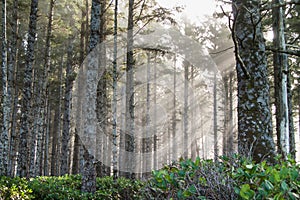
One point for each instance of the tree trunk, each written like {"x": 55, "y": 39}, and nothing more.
{"x": 185, "y": 110}
{"x": 280, "y": 63}
{"x": 89, "y": 128}
{"x": 216, "y": 149}
{"x": 254, "y": 115}
{"x": 226, "y": 113}
{"x": 114, "y": 103}
{"x": 4, "y": 141}
{"x": 66, "y": 116}
{"x": 155, "y": 114}
{"x": 12, "y": 65}
{"x": 174, "y": 124}
{"x": 25, "y": 129}
{"x": 129, "y": 111}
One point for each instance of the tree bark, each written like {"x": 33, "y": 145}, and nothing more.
{"x": 25, "y": 129}
{"x": 129, "y": 111}
{"x": 89, "y": 128}
{"x": 114, "y": 103}
{"x": 254, "y": 115}
{"x": 67, "y": 106}
{"x": 4, "y": 140}
{"x": 280, "y": 63}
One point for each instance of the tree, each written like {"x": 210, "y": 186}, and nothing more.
{"x": 25, "y": 129}
{"x": 129, "y": 110}
{"x": 280, "y": 62}
{"x": 4, "y": 142}
{"x": 89, "y": 171}
{"x": 114, "y": 106}
{"x": 254, "y": 115}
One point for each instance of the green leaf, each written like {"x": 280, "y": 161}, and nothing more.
{"x": 284, "y": 186}
{"x": 246, "y": 192}
{"x": 268, "y": 185}
{"x": 250, "y": 166}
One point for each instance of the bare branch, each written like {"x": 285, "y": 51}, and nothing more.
{"x": 290, "y": 52}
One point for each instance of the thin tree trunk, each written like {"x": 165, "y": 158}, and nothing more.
{"x": 230, "y": 137}
{"x": 55, "y": 139}
{"x": 185, "y": 110}
{"x": 147, "y": 158}
{"x": 216, "y": 149}
{"x": 12, "y": 65}
{"x": 174, "y": 124}
{"x": 280, "y": 72}
{"x": 4, "y": 140}
{"x": 155, "y": 114}
{"x": 114, "y": 103}
{"x": 226, "y": 113}
{"x": 67, "y": 106}
{"x": 129, "y": 111}
{"x": 27, "y": 94}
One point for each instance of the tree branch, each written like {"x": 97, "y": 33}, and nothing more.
{"x": 290, "y": 52}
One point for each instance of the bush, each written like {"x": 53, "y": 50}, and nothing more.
{"x": 202, "y": 179}
{"x": 263, "y": 181}
{"x": 232, "y": 178}
{"x": 14, "y": 189}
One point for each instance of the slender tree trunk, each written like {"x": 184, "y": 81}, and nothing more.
{"x": 185, "y": 110}
{"x": 254, "y": 114}
{"x": 4, "y": 140}
{"x": 12, "y": 65}
{"x": 114, "y": 103}
{"x": 147, "y": 158}
{"x": 226, "y": 113}
{"x": 155, "y": 114}
{"x": 174, "y": 124}
{"x": 55, "y": 139}
{"x": 27, "y": 94}
{"x": 280, "y": 62}
{"x": 216, "y": 149}
{"x": 66, "y": 116}
{"x": 129, "y": 111}
{"x": 230, "y": 137}
{"x": 292, "y": 141}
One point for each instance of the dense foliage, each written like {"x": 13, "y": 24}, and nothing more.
{"x": 232, "y": 178}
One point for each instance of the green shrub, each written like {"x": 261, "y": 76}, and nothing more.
{"x": 233, "y": 177}
{"x": 202, "y": 179}
{"x": 264, "y": 181}
{"x": 14, "y": 189}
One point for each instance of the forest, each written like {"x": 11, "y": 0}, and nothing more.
{"x": 110, "y": 99}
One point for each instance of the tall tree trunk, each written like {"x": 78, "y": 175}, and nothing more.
{"x": 230, "y": 137}
{"x": 129, "y": 111}
{"x": 27, "y": 93}
{"x": 216, "y": 149}
{"x": 280, "y": 63}
{"x": 114, "y": 103}
{"x": 155, "y": 114}
{"x": 12, "y": 65}
{"x": 4, "y": 140}
{"x": 67, "y": 106}
{"x": 89, "y": 128}
{"x": 42, "y": 95}
{"x": 292, "y": 140}
{"x": 185, "y": 110}
{"x": 254, "y": 114}
{"x": 55, "y": 138}
{"x": 148, "y": 140}
{"x": 174, "y": 124}
{"x": 226, "y": 113}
